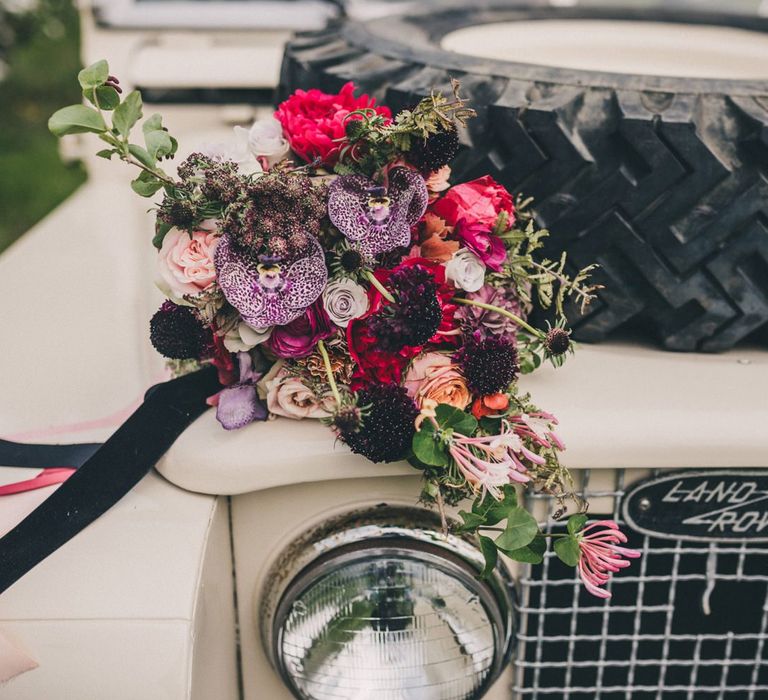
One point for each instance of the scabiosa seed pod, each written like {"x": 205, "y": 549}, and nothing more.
{"x": 347, "y": 420}
{"x": 178, "y": 212}
{"x": 387, "y": 427}
{"x": 177, "y": 333}
{"x": 435, "y": 151}
{"x": 353, "y": 128}
{"x": 351, "y": 260}
{"x": 415, "y": 317}
{"x": 489, "y": 364}
{"x": 557, "y": 341}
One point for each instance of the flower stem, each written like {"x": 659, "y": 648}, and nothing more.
{"x": 490, "y": 307}
{"x": 382, "y": 289}
{"x": 329, "y": 372}
{"x": 441, "y": 510}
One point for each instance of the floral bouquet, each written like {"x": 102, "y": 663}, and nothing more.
{"x": 326, "y": 267}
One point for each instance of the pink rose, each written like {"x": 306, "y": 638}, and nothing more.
{"x": 433, "y": 378}
{"x": 289, "y": 397}
{"x": 477, "y": 202}
{"x": 298, "y": 338}
{"x": 185, "y": 262}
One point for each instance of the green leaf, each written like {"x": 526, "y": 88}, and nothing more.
{"x": 107, "y": 97}
{"x": 141, "y": 155}
{"x": 94, "y": 75}
{"x": 106, "y": 153}
{"x": 490, "y": 554}
{"x": 520, "y": 530}
{"x": 153, "y": 123}
{"x": 576, "y": 523}
{"x": 567, "y": 550}
{"x": 158, "y": 143}
{"x": 452, "y": 417}
{"x": 76, "y": 119}
{"x": 429, "y": 450}
{"x": 532, "y": 553}
{"x": 161, "y": 228}
{"x": 471, "y": 521}
{"x": 146, "y": 184}
{"x": 492, "y": 426}
{"x": 127, "y": 113}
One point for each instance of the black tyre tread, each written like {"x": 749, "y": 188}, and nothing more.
{"x": 666, "y": 190}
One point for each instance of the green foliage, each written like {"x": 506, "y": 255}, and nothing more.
{"x": 520, "y": 530}
{"x": 76, "y": 119}
{"x": 94, "y": 75}
{"x": 127, "y": 113}
{"x": 490, "y": 554}
{"x": 567, "y": 550}
{"x": 532, "y": 553}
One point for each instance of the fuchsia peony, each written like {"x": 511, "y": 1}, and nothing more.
{"x": 477, "y": 202}
{"x": 185, "y": 262}
{"x": 314, "y": 121}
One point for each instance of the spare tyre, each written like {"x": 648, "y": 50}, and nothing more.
{"x": 661, "y": 178}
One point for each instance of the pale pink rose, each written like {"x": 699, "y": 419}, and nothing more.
{"x": 438, "y": 181}
{"x": 288, "y": 396}
{"x": 433, "y": 378}
{"x": 185, "y": 262}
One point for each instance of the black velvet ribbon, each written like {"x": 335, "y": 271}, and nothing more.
{"x": 108, "y": 472}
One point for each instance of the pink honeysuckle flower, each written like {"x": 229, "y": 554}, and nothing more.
{"x": 538, "y": 427}
{"x": 491, "y": 461}
{"x": 602, "y": 555}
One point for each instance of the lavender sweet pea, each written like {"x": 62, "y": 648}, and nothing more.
{"x": 239, "y": 404}
{"x": 269, "y": 292}
{"x": 378, "y": 219}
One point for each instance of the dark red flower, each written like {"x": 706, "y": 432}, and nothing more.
{"x": 477, "y": 202}
{"x": 299, "y": 337}
{"x": 314, "y": 122}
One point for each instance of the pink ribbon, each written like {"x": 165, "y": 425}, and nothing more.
{"x": 47, "y": 477}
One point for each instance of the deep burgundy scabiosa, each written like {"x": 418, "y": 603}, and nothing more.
{"x": 177, "y": 333}
{"x": 489, "y": 364}
{"x": 378, "y": 218}
{"x": 387, "y": 427}
{"x": 270, "y": 291}
{"x": 435, "y": 151}
{"x": 416, "y": 315}
{"x": 557, "y": 341}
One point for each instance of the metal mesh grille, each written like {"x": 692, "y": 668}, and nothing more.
{"x": 688, "y": 620}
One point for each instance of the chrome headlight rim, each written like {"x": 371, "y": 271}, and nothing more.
{"x": 372, "y": 533}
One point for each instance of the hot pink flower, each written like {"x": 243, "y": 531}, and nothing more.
{"x": 601, "y": 555}
{"x": 482, "y": 242}
{"x": 298, "y": 338}
{"x": 314, "y": 122}
{"x": 478, "y": 202}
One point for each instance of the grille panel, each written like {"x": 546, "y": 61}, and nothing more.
{"x": 688, "y": 620}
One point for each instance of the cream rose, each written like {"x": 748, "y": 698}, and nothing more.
{"x": 242, "y": 337}
{"x": 288, "y": 396}
{"x": 265, "y": 140}
{"x": 344, "y": 300}
{"x": 465, "y": 271}
{"x": 185, "y": 262}
{"x": 433, "y": 378}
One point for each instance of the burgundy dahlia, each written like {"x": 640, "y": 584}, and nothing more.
{"x": 486, "y": 323}
{"x": 489, "y": 364}
{"x": 416, "y": 315}
{"x": 177, "y": 333}
{"x": 387, "y": 427}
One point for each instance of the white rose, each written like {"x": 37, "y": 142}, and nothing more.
{"x": 344, "y": 300}
{"x": 265, "y": 139}
{"x": 237, "y": 150}
{"x": 242, "y": 337}
{"x": 465, "y": 271}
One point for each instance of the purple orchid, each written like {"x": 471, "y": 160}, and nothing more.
{"x": 239, "y": 404}
{"x": 270, "y": 291}
{"x": 378, "y": 219}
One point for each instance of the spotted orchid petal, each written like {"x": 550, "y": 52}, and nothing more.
{"x": 270, "y": 293}
{"x": 375, "y": 218}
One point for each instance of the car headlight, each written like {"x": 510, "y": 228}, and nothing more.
{"x": 380, "y": 604}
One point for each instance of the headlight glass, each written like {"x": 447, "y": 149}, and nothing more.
{"x": 390, "y": 618}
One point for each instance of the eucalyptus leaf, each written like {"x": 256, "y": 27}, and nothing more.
{"x": 153, "y": 123}
{"x": 158, "y": 143}
{"x": 520, "y": 530}
{"x": 94, "y": 75}
{"x": 567, "y": 550}
{"x": 146, "y": 184}
{"x": 428, "y": 450}
{"x": 127, "y": 113}
{"x": 490, "y": 554}
{"x": 576, "y": 523}
{"x": 141, "y": 155}
{"x": 532, "y": 553}
{"x": 76, "y": 119}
